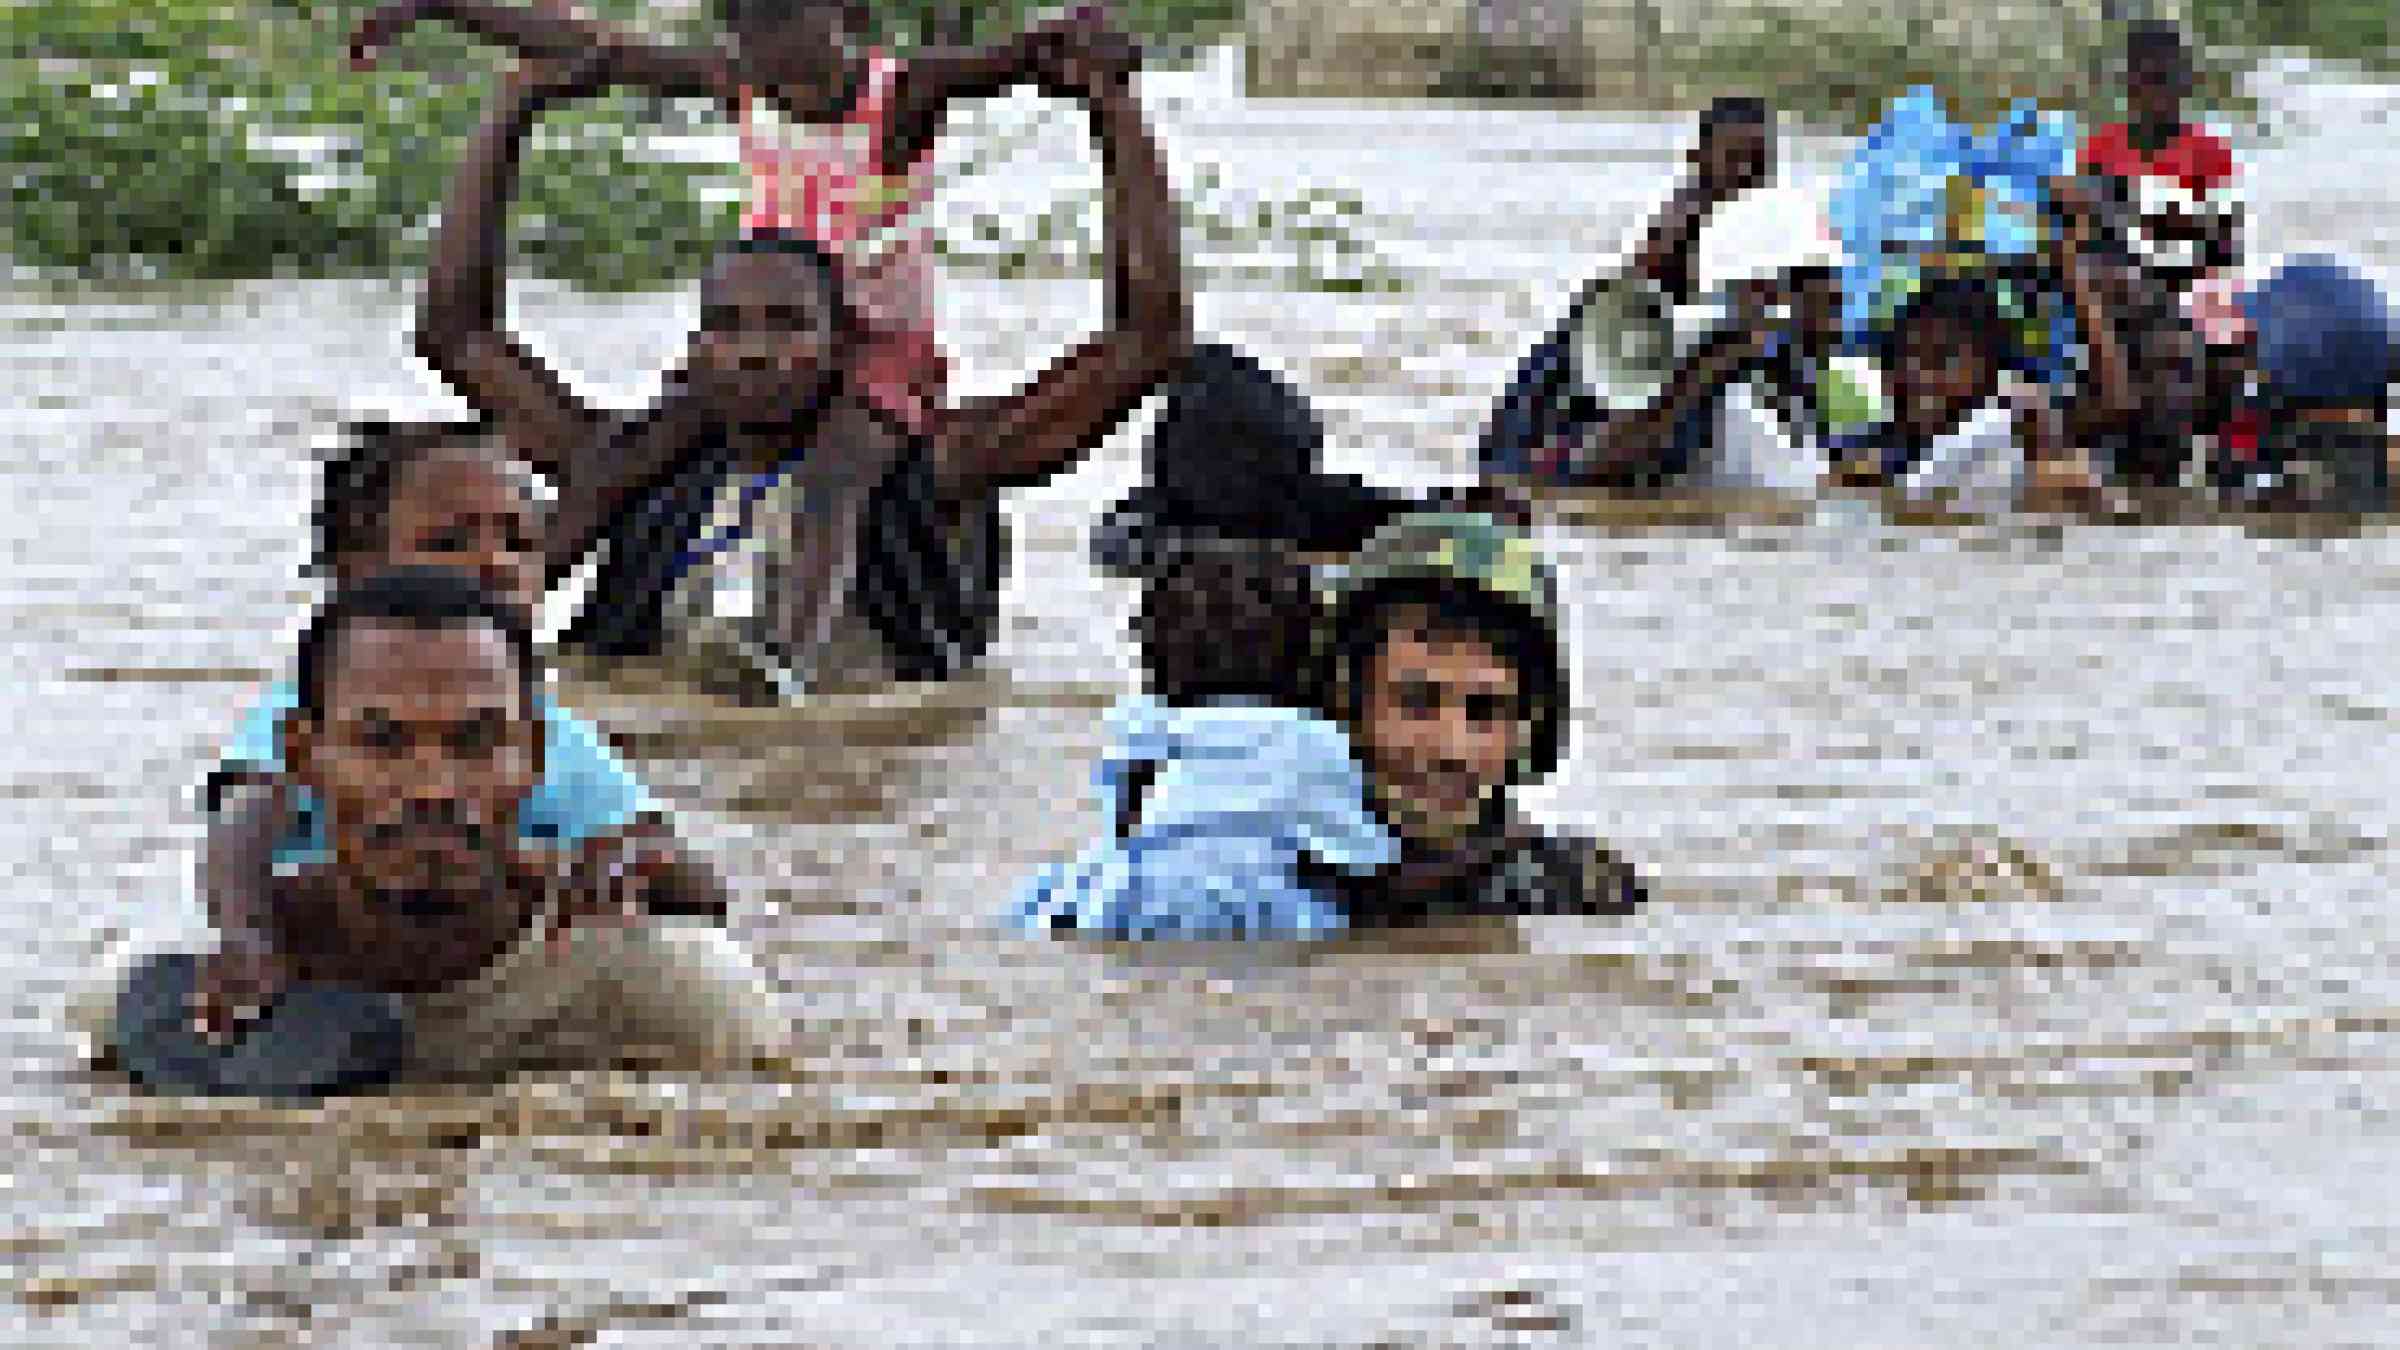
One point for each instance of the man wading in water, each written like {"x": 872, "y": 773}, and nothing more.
{"x": 427, "y": 940}
{"x": 882, "y": 548}
{"x": 1545, "y": 409}
{"x": 1439, "y": 652}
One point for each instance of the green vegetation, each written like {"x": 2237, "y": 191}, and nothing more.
{"x": 2367, "y": 31}
{"x": 228, "y": 138}
{"x": 1315, "y": 241}
{"x": 1846, "y": 63}
{"x": 211, "y": 138}
{"x": 1173, "y": 22}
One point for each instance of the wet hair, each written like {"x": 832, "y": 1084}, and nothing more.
{"x": 1965, "y": 303}
{"x": 1225, "y": 618}
{"x": 424, "y": 598}
{"x": 2153, "y": 42}
{"x": 1733, "y": 111}
{"x": 361, "y": 475}
{"x": 1449, "y": 612}
{"x": 784, "y": 243}
{"x": 765, "y": 13}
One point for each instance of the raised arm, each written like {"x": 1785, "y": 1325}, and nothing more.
{"x": 1664, "y": 257}
{"x": 984, "y": 444}
{"x": 553, "y": 32}
{"x": 1622, "y": 445}
{"x": 461, "y": 322}
{"x": 935, "y": 78}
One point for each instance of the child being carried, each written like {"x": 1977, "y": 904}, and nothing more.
{"x": 1220, "y": 784}
{"x": 836, "y": 136}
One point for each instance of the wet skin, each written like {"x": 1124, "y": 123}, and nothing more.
{"x": 1942, "y": 374}
{"x": 1440, "y": 727}
{"x": 468, "y": 508}
{"x": 763, "y": 359}
{"x": 1735, "y": 157}
{"x": 426, "y": 751}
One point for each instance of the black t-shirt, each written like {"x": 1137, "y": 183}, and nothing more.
{"x": 2325, "y": 466}
{"x": 928, "y": 578}
{"x": 1535, "y": 872}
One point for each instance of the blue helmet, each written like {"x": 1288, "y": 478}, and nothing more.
{"x": 2324, "y": 335}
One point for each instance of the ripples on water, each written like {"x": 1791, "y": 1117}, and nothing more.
{"x": 2021, "y": 966}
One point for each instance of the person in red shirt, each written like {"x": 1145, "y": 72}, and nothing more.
{"x": 2174, "y": 177}
{"x": 2171, "y": 184}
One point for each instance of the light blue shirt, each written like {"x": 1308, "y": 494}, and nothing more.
{"x": 1243, "y": 791}
{"x": 585, "y": 789}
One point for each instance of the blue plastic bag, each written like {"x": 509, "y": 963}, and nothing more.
{"x": 1902, "y": 191}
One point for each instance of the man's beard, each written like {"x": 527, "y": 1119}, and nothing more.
{"x": 1440, "y": 831}
{"x": 792, "y": 418}
{"x": 441, "y": 878}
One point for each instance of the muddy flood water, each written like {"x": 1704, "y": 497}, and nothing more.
{"x": 2023, "y": 967}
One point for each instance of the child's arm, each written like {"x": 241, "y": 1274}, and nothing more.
{"x": 986, "y": 444}
{"x": 2114, "y": 398}
{"x": 554, "y": 32}
{"x": 651, "y": 869}
{"x": 237, "y": 871}
{"x": 2058, "y": 474}
{"x": 935, "y": 78}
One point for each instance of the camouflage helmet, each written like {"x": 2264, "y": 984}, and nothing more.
{"x": 1453, "y": 552}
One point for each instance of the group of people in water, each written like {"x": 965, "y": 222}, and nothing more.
{"x": 418, "y": 863}
{"x": 2016, "y": 318}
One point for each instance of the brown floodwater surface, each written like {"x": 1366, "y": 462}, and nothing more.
{"x": 2020, "y": 968}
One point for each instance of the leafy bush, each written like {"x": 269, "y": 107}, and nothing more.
{"x": 221, "y": 138}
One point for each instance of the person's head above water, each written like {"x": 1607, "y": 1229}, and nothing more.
{"x": 1949, "y": 346}
{"x": 431, "y": 495}
{"x": 1227, "y": 618}
{"x": 773, "y": 319}
{"x": 791, "y": 42}
{"x": 1440, "y": 654}
{"x": 1736, "y": 151}
{"x": 416, "y": 731}
{"x": 2158, "y": 75}
{"x": 2325, "y": 338}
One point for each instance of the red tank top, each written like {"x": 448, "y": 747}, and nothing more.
{"x": 832, "y": 183}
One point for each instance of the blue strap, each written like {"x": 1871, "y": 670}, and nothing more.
{"x": 709, "y": 544}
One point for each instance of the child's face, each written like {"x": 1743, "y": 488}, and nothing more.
{"x": 1942, "y": 371}
{"x": 467, "y": 508}
{"x": 797, "y": 44}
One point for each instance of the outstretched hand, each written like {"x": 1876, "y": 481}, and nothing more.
{"x": 1080, "y": 54}
{"x": 387, "y": 24}
{"x": 232, "y": 989}
{"x": 606, "y": 883}
{"x": 568, "y": 77}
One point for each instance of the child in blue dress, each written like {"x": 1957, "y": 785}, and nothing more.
{"x": 1220, "y": 780}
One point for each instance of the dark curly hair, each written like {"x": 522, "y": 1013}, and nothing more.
{"x": 1225, "y": 618}
{"x": 417, "y": 597}
{"x": 359, "y": 477}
